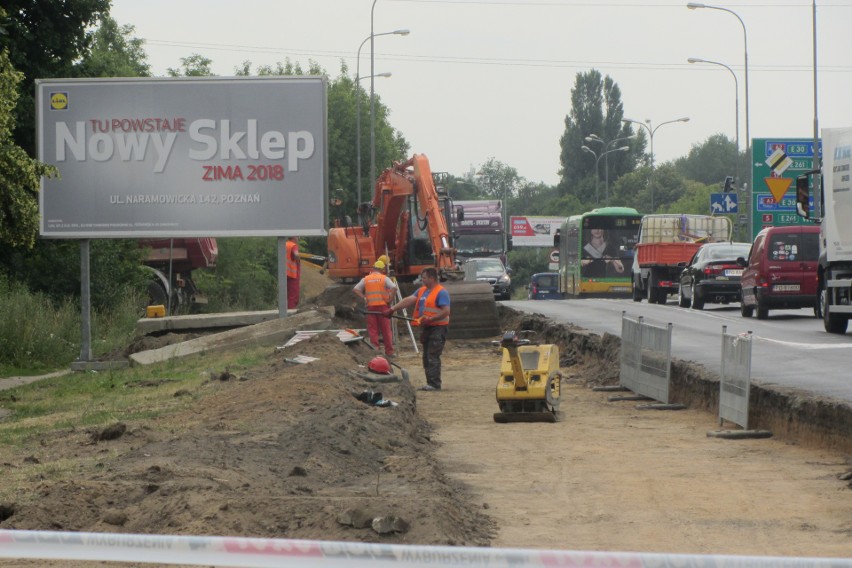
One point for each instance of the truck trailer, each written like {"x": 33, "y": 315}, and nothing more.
{"x": 171, "y": 262}
{"x": 834, "y": 271}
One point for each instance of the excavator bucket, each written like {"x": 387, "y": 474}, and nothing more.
{"x": 473, "y": 312}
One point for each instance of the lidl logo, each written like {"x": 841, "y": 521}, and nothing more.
{"x": 59, "y": 101}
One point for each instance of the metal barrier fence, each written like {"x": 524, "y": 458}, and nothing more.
{"x": 735, "y": 378}
{"x": 646, "y": 355}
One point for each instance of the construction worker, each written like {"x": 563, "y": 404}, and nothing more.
{"x": 384, "y": 258}
{"x": 432, "y": 314}
{"x": 377, "y": 291}
{"x": 294, "y": 269}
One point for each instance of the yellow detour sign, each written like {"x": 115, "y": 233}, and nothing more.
{"x": 778, "y": 187}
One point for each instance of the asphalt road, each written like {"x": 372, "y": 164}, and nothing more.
{"x": 789, "y": 349}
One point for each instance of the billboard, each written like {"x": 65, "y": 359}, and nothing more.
{"x": 534, "y": 231}
{"x": 194, "y": 157}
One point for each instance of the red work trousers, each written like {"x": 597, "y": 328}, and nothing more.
{"x": 379, "y": 324}
{"x": 292, "y": 293}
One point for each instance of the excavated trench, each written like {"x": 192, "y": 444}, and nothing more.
{"x": 792, "y": 415}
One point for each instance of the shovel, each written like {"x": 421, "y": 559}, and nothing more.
{"x": 364, "y": 311}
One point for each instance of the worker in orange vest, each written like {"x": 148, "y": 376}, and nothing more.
{"x": 294, "y": 269}
{"x": 432, "y": 314}
{"x": 377, "y": 291}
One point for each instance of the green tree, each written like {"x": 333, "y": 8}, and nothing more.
{"x": 194, "y": 65}
{"x": 115, "y": 52}
{"x": 497, "y": 180}
{"x": 53, "y": 266}
{"x": 20, "y": 175}
{"x": 711, "y": 161}
{"x": 526, "y": 261}
{"x": 45, "y": 38}
{"x": 694, "y": 199}
{"x": 246, "y": 275}
{"x": 464, "y": 189}
{"x": 634, "y": 189}
{"x": 596, "y": 109}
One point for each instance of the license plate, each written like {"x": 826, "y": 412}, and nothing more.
{"x": 734, "y": 272}
{"x": 786, "y": 287}
{"x": 616, "y": 289}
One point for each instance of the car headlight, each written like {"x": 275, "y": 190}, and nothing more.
{"x": 505, "y": 279}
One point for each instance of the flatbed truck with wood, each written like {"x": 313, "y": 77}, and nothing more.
{"x": 666, "y": 244}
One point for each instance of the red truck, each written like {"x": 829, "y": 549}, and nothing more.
{"x": 666, "y": 244}
{"x": 171, "y": 262}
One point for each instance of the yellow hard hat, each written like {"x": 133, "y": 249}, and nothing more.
{"x": 384, "y": 258}
{"x": 379, "y": 264}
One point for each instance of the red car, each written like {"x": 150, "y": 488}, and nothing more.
{"x": 781, "y": 270}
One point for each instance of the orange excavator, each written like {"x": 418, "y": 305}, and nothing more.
{"x": 409, "y": 221}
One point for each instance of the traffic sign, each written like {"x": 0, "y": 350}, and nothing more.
{"x": 723, "y": 203}
{"x": 777, "y": 163}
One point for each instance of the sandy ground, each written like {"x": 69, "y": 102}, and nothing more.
{"x": 288, "y": 451}
{"x": 610, "y": 477}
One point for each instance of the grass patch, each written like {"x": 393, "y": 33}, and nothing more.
{"x": 38, "y": 335}
{"x": 96, "y": 399}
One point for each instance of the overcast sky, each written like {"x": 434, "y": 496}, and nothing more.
{"x": 477, "y": 79}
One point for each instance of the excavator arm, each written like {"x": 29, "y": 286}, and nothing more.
{"x": 393, "y": 188}
{"x": 410, "y": 227}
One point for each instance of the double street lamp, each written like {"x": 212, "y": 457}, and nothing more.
{"x": 736, "y": 108}
{"x": 604, "y": 146}
{"x": 358, "y": 101}
{"x": 651, "y": 130}
{"x": 597, "y": 162}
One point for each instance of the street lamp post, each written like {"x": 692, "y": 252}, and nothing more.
{"x": 651, "y": 130}
{"x": 597, "y": 162}
{"x": 604, "y": 146}
{"x": 358, "y": 102}
{"x": 358, "y": 127}
{"x": 585, "y": 148}
{"x": 736, "y": 109}
{"x": 697, "y": 5}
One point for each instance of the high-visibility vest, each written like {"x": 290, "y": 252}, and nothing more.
{"x": 430, "y": 309}
{"x": 292, "y": 267}
{"x": 374, "y": 289}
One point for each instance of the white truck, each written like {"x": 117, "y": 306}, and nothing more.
{"x": 834, "y": 274}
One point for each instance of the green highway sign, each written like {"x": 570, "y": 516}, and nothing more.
{"x": 777, "y": 163}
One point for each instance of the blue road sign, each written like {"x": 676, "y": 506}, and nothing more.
{"x": 723, "y": 203}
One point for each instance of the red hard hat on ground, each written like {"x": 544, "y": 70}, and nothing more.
{"x": 379, "y": 365}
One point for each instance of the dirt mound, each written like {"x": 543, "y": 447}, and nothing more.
{"x": 286, "y": 451}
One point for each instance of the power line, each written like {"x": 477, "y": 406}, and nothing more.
{"x": 514, "y": 62}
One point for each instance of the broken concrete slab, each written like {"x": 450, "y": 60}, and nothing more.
{"x": 146, "y": 326}
{"x": 272, "y": 332}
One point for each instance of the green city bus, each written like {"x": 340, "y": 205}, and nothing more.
{"x": 596, "y": 252}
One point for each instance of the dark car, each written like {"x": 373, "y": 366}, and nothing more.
{"x": 712, "y": 276}
{"x": 490, "y": 270}
{"x": 544, "y": 286}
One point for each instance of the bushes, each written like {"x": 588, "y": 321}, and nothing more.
{"x": 37, "y": 334}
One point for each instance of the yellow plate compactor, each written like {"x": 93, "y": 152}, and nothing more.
{"x": 528, "y": 389}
